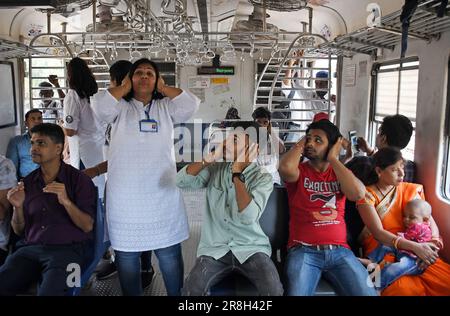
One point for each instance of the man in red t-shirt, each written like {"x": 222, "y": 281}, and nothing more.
{"x": 317, "y": 190}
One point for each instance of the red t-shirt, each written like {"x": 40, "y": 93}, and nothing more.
{"x": 317, "y": 208}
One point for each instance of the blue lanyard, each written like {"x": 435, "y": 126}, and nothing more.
{"x": 147, "y": 113}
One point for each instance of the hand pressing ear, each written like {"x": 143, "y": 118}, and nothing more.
{"x": 335, "y": 150}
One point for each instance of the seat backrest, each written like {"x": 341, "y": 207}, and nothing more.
{"x": 275, "y": 223}
{"x": 98, "y": 249}
{"x": 275, "y": 219}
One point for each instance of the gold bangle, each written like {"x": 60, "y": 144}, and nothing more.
{"x": 397, "y": 241}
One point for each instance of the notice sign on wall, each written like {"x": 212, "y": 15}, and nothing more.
{"x": 219, "y": 80}
{"x": 198, "y": 82}
{"x": 350, "y": 75}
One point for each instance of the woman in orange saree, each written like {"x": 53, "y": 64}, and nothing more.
{"x": 381, "y": 212}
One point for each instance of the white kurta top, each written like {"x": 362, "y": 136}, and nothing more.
{"x": 78, "y": 115}
{"x": 145, "y": 209}
{"x": 315, "y": 103}
{"x": 268, "y": 158}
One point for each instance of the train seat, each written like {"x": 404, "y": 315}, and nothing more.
{"x": 275, "y": 223}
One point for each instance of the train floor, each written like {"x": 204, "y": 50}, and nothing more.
{"x": 195, "y": 202}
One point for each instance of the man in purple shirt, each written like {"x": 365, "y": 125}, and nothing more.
{"x": 54, "y": 210}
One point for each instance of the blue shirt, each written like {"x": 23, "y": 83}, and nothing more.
{"x": 18, "y": 151}
{"x": 46, "y": 220}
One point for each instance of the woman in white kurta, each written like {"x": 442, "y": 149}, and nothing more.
{"x": 145, "y": 210}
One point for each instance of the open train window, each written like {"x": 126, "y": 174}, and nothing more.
{"x": 394, "y": 91}
{"x": 446, "y": 164}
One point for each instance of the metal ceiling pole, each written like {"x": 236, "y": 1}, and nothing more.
{"x": 49, "y": 21}
{"x": 94, "y": 13}
{"x": 264, "y": 23}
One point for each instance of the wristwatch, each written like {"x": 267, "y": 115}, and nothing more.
{"x": 240, "y": 175}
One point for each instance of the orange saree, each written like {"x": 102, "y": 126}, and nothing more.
{"x": 436, "y": 278}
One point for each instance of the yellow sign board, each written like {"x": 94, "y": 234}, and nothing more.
{"x": 219, "y": 80}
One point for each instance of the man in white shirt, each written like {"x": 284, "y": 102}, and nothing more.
{"x": 313, "y": 100}
{"x": 51, "y": 109}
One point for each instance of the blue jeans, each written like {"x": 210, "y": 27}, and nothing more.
{"x": 305, "y": 266}
{"x": 404, "y": 265}
{"x": 170, "y": 263}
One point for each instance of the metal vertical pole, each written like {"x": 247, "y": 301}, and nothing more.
{"x": 94, "y": 15}
{"x": 49, "y": 26}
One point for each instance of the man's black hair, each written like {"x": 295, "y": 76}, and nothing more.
{"x": 119, "y": 70}
{"x": 45, "y": 84}
{"x": 261, "y": 112}
{"x": 30, "y": 112}
{"x": 329, "y": 128}
{"x": 53, "y": 131}
{"x": 251, "y": 127}
{"x": 397, "y": 129}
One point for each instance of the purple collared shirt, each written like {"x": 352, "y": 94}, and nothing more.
{"x": 46, "y": 220}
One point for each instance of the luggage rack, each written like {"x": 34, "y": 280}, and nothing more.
{"x": 11, "y": 49}
{"x": 424, "y": 25}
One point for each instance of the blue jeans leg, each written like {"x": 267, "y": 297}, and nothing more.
{"x": 406, "y": 265}
{"x": 347, "y": 275}
{"x": 129, "y": 270}
{"x": 172, "y": 268}
{"x": 303, "y": 271}
{"x": 378, "y": 253}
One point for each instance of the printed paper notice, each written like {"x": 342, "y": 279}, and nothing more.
{"x": 350, "y": 75}
{"x": 199, "y": 92}
{"x": 220, "y": 89}
{"x": 362, "y": 69}
{"x": 198, "y": 82}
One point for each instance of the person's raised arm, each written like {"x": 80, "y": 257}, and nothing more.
{"x": 119, "y": 92}
{"x": 288, "y": 73}
{"x": 351, "y": 186}
{"x": 167, "y": 91}
{"x": 54, "y": 81}
{"x": 364, "y": 146}
{"x": 16, "y": 196}
{"x": 243, "y": 197}
{"x": 288, "y": 168}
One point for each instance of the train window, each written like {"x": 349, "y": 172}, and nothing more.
{"x": 446, "y": 178}
{"x": 39, "y": 70}
{"x": 41, "y": 67}
{"x": 394, "y": 89}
